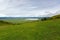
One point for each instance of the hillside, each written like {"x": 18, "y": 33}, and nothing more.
{"x": 35, "y": 30}
{"x": 56, "y": 17}
{"x": 51, "y": 18}
{"x": 5, "y": 23}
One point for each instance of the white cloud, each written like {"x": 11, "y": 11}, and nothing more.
{"x": 2, "y": 15}
{"x": 27, "y": 8}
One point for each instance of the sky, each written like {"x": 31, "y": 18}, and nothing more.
{"x": 29, "y": 8}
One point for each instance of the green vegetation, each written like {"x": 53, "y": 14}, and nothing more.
{"x": 51, "y": 18}
{"x": 31, "y": 30}
{"x": 56, "y": 17}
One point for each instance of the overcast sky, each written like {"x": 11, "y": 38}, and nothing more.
{"x": 28, "y": 8}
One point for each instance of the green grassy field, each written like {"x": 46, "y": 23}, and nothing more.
{"x": 33, "y": 30}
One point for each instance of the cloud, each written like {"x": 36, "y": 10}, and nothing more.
{"x": 26, "y": 8}
{"x": 2, "y": 15}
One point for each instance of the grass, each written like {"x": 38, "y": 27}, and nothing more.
{"x": 35, "y": 30}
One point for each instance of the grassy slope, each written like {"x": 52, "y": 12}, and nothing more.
{"x": 38, "y": 30}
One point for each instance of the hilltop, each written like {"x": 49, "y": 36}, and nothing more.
{"x": 56, "y": 17}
